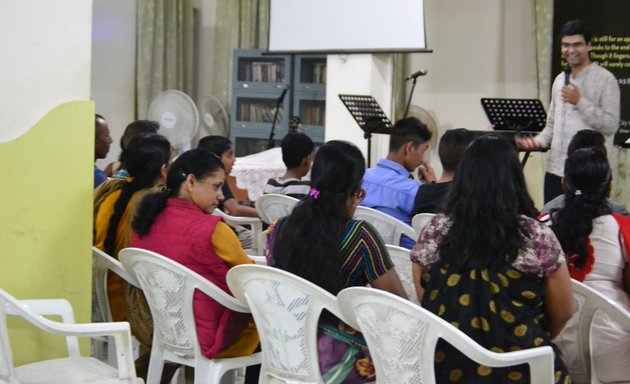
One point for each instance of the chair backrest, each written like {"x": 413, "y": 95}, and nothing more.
{"x": 272, "y": 206}
{"x": 402, "y": 337}
{"x": 102, "y": 264}
{"x": 387, "y": 226}
{"x": 420, "y": 220}
{"x": 400, "y": 257}
{"x": 169, "y": 288}
{"x": 588, "y": 302}
{"x": 286, "y": 309}
{"x": 254, "y": 224}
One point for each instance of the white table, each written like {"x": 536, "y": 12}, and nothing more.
{"x": 253, "y": 171}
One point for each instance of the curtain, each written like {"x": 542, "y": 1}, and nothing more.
{"x": 164, "y": 54}
{"x": 242, "y": 24}
{"x": 543, "y": 19}
{"x": 400, "y": 90}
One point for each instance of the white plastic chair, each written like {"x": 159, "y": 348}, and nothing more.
{"x": 272, "y": 206}
{"x": 387, "y": 226}
{"x": 286, "y": 309}
{"x": 260, "y": 260}
{"x": 402, "y": 337}
{"x": 169, "y": 288}
{"x": 254, "y": 224}
{"x": 400, "y": 257}
{"x": 74, "y": 368}
{"x": 102, "y": 264}
{"x": 420, "y": 220}
{"x": 588, "y": 302}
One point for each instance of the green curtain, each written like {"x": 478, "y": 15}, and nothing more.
{"x": 242, "y": 24}
{"x": 400, "y": 91}
{"x": 164, "y": 54}
{"x": 543, "y": 19}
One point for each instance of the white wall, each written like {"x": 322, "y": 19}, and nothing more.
{"x": 481, "y": 49}
{"x": 113, "y": 66}
{"x": 52, "y": 78}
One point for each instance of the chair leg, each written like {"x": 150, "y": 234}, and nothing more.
{"x": 212, "y": 373}
{"x": 156, "y": 366}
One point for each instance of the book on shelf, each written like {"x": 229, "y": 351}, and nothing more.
{"x": 259, "y": 112}
{"x": 261, "y": 71}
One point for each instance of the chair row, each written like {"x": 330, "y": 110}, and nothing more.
{"x": 286, "y": 309}
{"x": 271, "y": 207}
{"x": 400, "y": 334}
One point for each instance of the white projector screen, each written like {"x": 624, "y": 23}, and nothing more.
{"x": 346, "y": 26}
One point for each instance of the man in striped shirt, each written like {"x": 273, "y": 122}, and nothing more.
{"x": 297, "y": 155}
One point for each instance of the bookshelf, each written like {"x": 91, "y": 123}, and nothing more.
{"x": 258, "y": 81}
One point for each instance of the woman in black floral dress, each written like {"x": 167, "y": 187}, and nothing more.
{"x": 491, "y": 269}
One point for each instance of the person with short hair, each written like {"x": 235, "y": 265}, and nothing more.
{"x": 102, "y": 142}
{"x": 590, "y": 100}
{"x": 297, "y": 155}
{"x": 389, "y": 186}
{"x": 452, "y": 145}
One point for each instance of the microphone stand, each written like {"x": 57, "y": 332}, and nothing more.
{"x": 270, "y": 142}
{"x": 413, "y": 86}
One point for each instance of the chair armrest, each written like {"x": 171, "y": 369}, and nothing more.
{"x": 107, "y": 261}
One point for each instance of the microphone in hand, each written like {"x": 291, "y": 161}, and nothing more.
{"x": 420, "y": 72}
{"x": 567, "y": 75}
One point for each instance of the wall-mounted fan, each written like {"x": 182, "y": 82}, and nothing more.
{"x": 214, "y": 117}
{"x": 178, "y": 117}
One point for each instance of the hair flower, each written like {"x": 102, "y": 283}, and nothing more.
{"x": 314, "y": 193}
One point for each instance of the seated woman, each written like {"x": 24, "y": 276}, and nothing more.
{"x": 178, "y": 223}
{"x": 490, "y": 268}
{"x": 116, "y": 169}
{"x": 320, "y": 242}
{"x": 115, "y": 200}
{"x": 597, "y": 244}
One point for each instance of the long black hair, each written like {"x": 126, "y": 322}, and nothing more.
{"x": 201, "y": 163}
{"x": 587, "y": 176}
{"x": 144, "y": 158}
{"x": 135, "y": 128}
{"x": 307, "y": 243}
{"x": 484, "y": 202}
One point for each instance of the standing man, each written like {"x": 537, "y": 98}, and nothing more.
{"x": 102, "y": 142}
{"x": 584, "y": 96}
{"x": 389, "y": 186}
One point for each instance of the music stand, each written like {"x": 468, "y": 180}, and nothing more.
{"x": 516, "y": 115}
{"x": 369, "y": 115}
